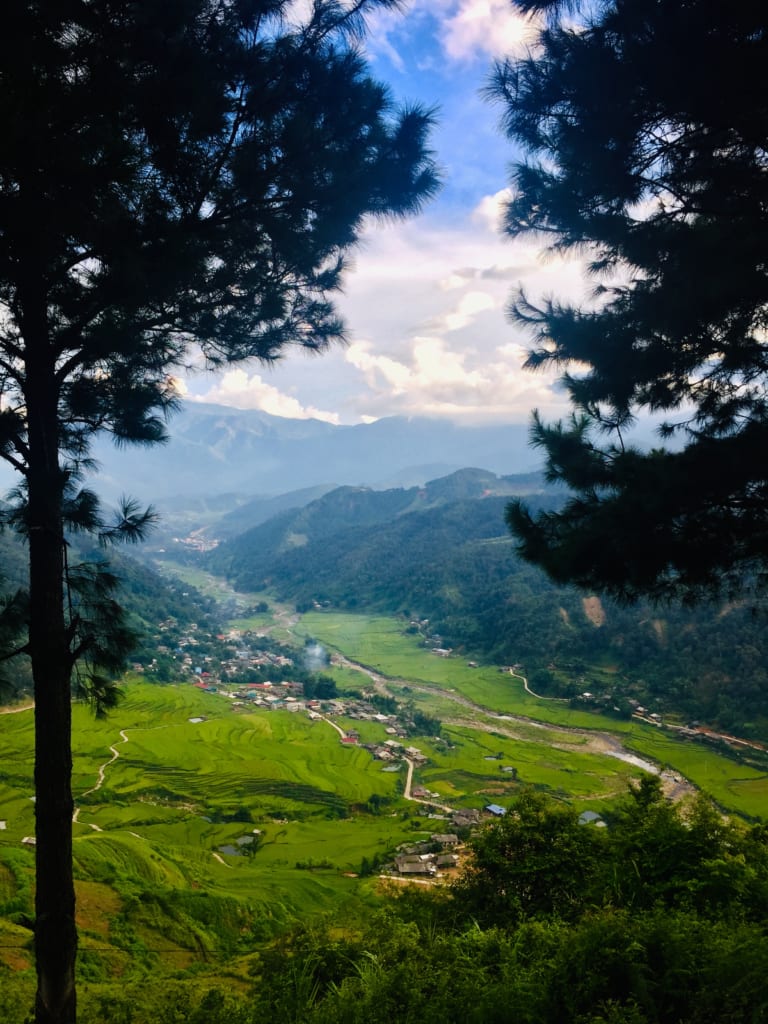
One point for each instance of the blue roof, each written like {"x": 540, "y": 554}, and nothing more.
{"x": 495, "y": 809}
{"x": 590, "y": 818}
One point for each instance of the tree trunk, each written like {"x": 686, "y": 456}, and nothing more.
{"x": 55, "y": 931}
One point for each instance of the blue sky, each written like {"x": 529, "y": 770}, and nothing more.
{"x": 425, "y": 302}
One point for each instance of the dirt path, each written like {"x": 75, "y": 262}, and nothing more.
{"x": 100, "y": 779}
{"x": 407, "y": 792}
{"x": 338, "y": 728}
{"x": 15, "y": 711}
{"x": 538, "y": 696}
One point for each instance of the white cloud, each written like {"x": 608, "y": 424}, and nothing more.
{"x": 238, "y": 389}
{"x": 470, "y": 304}
{"x": 425, "y": 308}
{"x": 179, "y": 385}
{"x": 489, "y": 212}
{"x": 433, "y": 379}
{"x": 486, "y": 27}
{"x": 426, "y": 312}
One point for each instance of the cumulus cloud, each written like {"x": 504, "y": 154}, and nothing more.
{"x": 238, "y": 389}
{"x": 486, "y": 27}
{"x": 489, "y": 212}
{"x": 428, "y": 334}
{"x": 426, "y": 310}
{"x": 466, "y": 311}
{"x": 434, "y": 379}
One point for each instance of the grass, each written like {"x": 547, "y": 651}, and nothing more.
{"x": 380, "y": 643}
{"x": 566, "y": 773}
{"x": 167, "y": 801}
{"x": 147, "y": 845}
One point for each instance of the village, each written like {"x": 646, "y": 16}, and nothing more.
{"x": 235, "y": 665}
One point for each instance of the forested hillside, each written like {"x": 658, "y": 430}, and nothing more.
{"x": 442, "y": 553}
{"x": 147, "y": 596}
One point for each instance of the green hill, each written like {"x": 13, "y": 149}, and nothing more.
{"x": 442, "y": 553}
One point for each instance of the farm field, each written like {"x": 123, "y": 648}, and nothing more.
{"x": 381, "y": 644}
{"x": 196, "y": 821}
{"x": 179, "y": 796}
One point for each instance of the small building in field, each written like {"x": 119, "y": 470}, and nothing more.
{"x": 496, "y": 810}
{"x": 591, "y": 818}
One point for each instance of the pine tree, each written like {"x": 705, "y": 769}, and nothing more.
{"x": 178, "y": 179}
{"x": 644, "y": 128}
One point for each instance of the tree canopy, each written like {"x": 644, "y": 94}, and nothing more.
{"x": 644, "y": 133}
{"x": 180, "y": 182}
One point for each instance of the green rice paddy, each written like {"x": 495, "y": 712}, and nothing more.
{"x": 165, "y": 803}
{"x": 380, "y": 643}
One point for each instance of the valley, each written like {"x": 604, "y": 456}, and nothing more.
{"x": 317, "y": 705}
{"x": 211, "y": 820}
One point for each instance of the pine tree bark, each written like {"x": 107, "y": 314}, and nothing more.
{"x": 55, "y": 930}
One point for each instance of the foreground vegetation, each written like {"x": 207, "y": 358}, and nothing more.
{"x": 223, "y": 857}
{"x": 658, "y": 918}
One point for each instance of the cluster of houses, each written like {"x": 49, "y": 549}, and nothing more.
{"x": 429, "y": 858}
{"x": 391, "y": 751}
{"x": 440, "y": 853}
{"x": 213, "y": 659}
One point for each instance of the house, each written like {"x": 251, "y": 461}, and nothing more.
{"x": 412, "y": 864}
{"x": 495, "y": 810}
{"x": 466, "y": 817}
{"x": 445, "y": 839}
{"x": 447, "y": 860}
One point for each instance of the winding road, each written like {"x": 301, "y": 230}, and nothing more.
{"x": 675, "y": 785}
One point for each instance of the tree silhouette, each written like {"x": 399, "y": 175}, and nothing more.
{"x": 636, "y": 158}
{"x": 179, "y": 180}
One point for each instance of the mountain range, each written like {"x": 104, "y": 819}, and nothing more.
{"x": 216, "y": 449}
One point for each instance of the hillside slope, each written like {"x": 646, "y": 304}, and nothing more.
{"x": 442, "y": 553}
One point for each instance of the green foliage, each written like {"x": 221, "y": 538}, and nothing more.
{"x": 627, "y": 159}
{"x": 659, "y": 917}
{"x": 538, "y": 861}
{"x": 195, "y": 172}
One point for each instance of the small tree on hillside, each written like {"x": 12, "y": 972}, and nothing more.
{"x": 175, "y": 177}
{"x": 644, "y": 125}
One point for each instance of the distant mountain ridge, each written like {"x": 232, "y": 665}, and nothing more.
{"x": 220, "y": 449}
{"x": 344, "y": 509}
